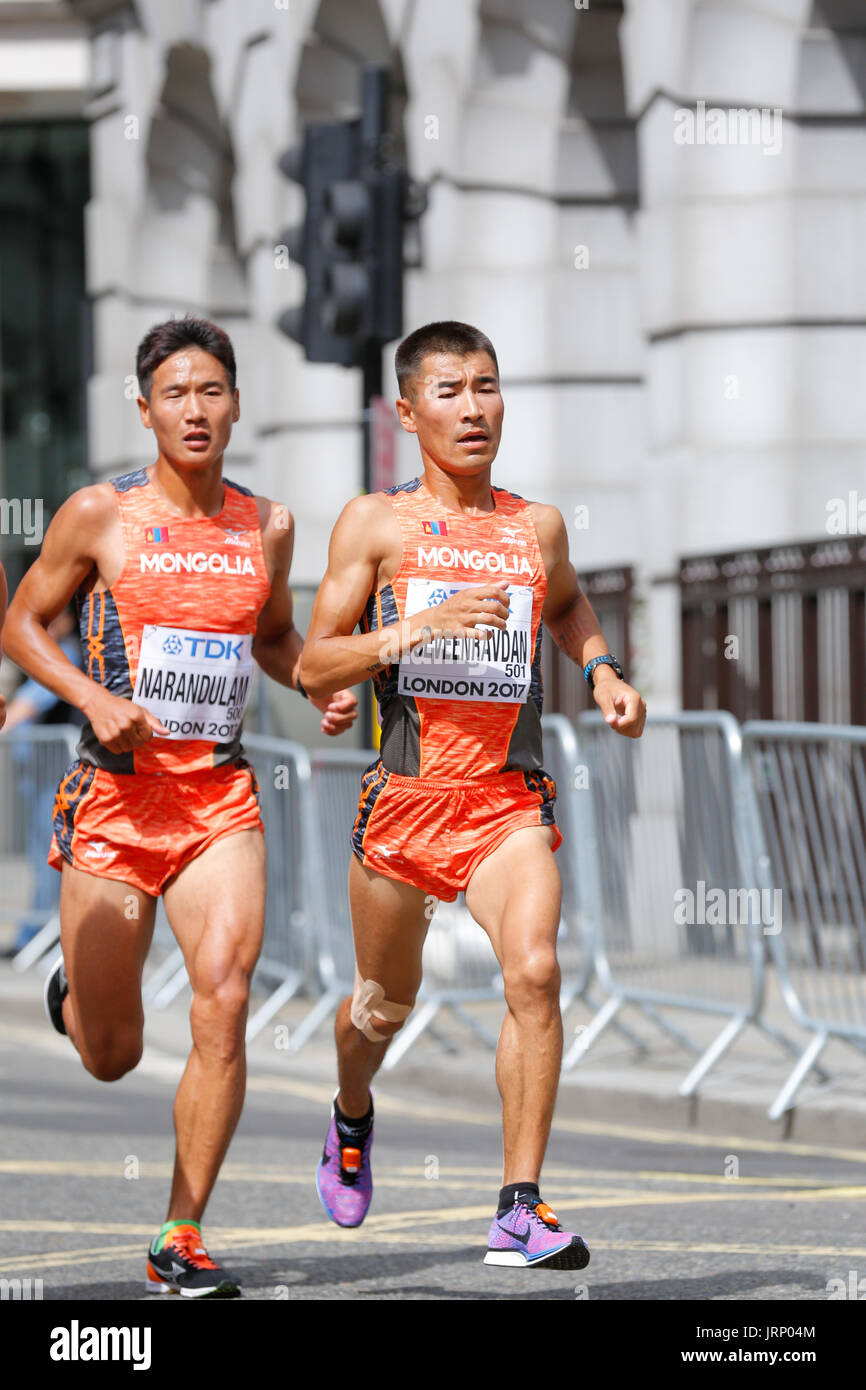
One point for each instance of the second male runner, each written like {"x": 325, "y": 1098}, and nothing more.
{"x": 458, "y": 799}
{"x": 181, "y": 579}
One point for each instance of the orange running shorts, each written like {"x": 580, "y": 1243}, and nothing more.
{"x": 435, "y": 834}
{"x": 142, "y": 828}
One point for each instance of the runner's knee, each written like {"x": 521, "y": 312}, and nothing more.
{"x": 219, "y": 1013}
{"x": 373, "y": 1015}
{"x": 532, "y": 977}
{"x": 112, "y": 1057}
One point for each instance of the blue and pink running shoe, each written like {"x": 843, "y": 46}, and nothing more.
{"x": 344, "y": 1179}
{"x": 530, "y": 1234}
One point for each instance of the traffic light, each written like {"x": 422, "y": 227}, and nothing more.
{"x": 329, "y": 155}
{"x": 351, "y": 241}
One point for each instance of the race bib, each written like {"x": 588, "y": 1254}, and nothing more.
{"x": 196, "y": 683}
{"x": 464, "y": 668}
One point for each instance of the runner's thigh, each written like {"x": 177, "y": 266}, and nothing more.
{"x": 389, "y": 925}
{"x": 515, "y": 894}
{"x": 216, "y": 909}
{"x": 105, "y": 933}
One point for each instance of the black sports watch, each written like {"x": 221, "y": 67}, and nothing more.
{"x": 607, "y": 660}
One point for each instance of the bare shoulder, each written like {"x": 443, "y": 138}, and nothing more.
{"x": 277, "y": 526}
{"x": 87, "y": 514}
{"x": 549, "y": 527}
{"x": 367, "y": 525}
{"x": 274, "y": 517}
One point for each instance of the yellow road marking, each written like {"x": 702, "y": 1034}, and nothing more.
{"x": 388, "y": 1104}
{"x": 387, "y": 1234}
{"x": 405, "y": 1175}
{"x": 155, "y": 1062}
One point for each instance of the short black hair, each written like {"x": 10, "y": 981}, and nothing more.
{"x": 445, "y": 336}
{"x": 166, "y": 338}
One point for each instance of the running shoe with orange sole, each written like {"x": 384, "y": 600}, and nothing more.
{"x": 183, "y": 1266}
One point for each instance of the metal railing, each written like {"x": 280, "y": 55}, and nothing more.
{"x": 684, "y": 853}
{"x": 33, "y": 759}
{"x": 809, "y": 801}
{"x": 668, "y": 878}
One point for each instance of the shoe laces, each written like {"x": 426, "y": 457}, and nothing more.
{"x": 188, "y": 1243}
{"x": 540, "y": 1211}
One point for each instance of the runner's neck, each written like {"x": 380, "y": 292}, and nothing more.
{"x": 468, "y": 496}
{"x": 190, "y": 493}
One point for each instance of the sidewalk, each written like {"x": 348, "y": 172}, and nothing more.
{"x": 612, "y": 1085}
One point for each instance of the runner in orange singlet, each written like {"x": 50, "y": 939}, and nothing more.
{"x": 458, "y": 799}
{"x": 181, "y": 581}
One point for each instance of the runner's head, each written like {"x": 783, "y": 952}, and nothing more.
{"x": 186, "y": 376}
{"x": 449, "y": 395}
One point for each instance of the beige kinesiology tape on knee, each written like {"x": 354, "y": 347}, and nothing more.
{"x": 369, "y": 999}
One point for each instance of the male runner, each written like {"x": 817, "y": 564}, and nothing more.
{"x": 181, "y": 579}
{"x": 458, "y": 799}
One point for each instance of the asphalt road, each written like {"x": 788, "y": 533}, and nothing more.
{"x": 85, "y": 1169}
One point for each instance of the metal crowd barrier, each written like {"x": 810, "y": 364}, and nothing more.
{"x": 575, "y": 946}
{"x": 809, "y": 785}
{"x": 679, "y": 851}
{"x": 33, "y": 759}
{"x": 667, "y": 879}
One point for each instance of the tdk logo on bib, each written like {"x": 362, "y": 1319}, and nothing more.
{"x": 204, "y": 648}
{"x": 215, "y": 648}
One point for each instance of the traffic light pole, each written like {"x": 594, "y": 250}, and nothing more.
{"x": 372, "y": 386}
{"x": 374, "y": 117}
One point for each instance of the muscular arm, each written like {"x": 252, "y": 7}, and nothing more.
{"x": 574, "y": 627}
{"x": 70, "y": 553}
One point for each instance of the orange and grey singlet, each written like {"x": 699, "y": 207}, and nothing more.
{"x": 460, "y": 709}
{"x": 174, "y": 632}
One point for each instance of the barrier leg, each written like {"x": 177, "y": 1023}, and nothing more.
{"x": 171, "y": 989}
{"x": 584, "y": 1040}
{"x": 719, "y": 1045}
{"x": 790, "y": 1046}
{"x": 445, "y": 1043}
{"x": 630, "y": 1037}
{"x": 667, "y": 1027}
{"x": 318, "y": 1013}
{"x": 164, "y": 972}
{"x": 413, "y": 1030}
{"x": 44, "y": 939}
{"x": 785, "y": 1099}
{"x": 273, "y": 1004}
{"x": 474, "y": 1025}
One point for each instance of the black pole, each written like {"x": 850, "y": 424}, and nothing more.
{"x": 374, "y": 117}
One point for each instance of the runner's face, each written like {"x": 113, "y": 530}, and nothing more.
{"x": 191, "y": 408}
{"x": 456, "y": 411}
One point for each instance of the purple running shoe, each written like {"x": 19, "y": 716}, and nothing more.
{"x": 530, "y": 1234}
{"x": 344, "y": 1180}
